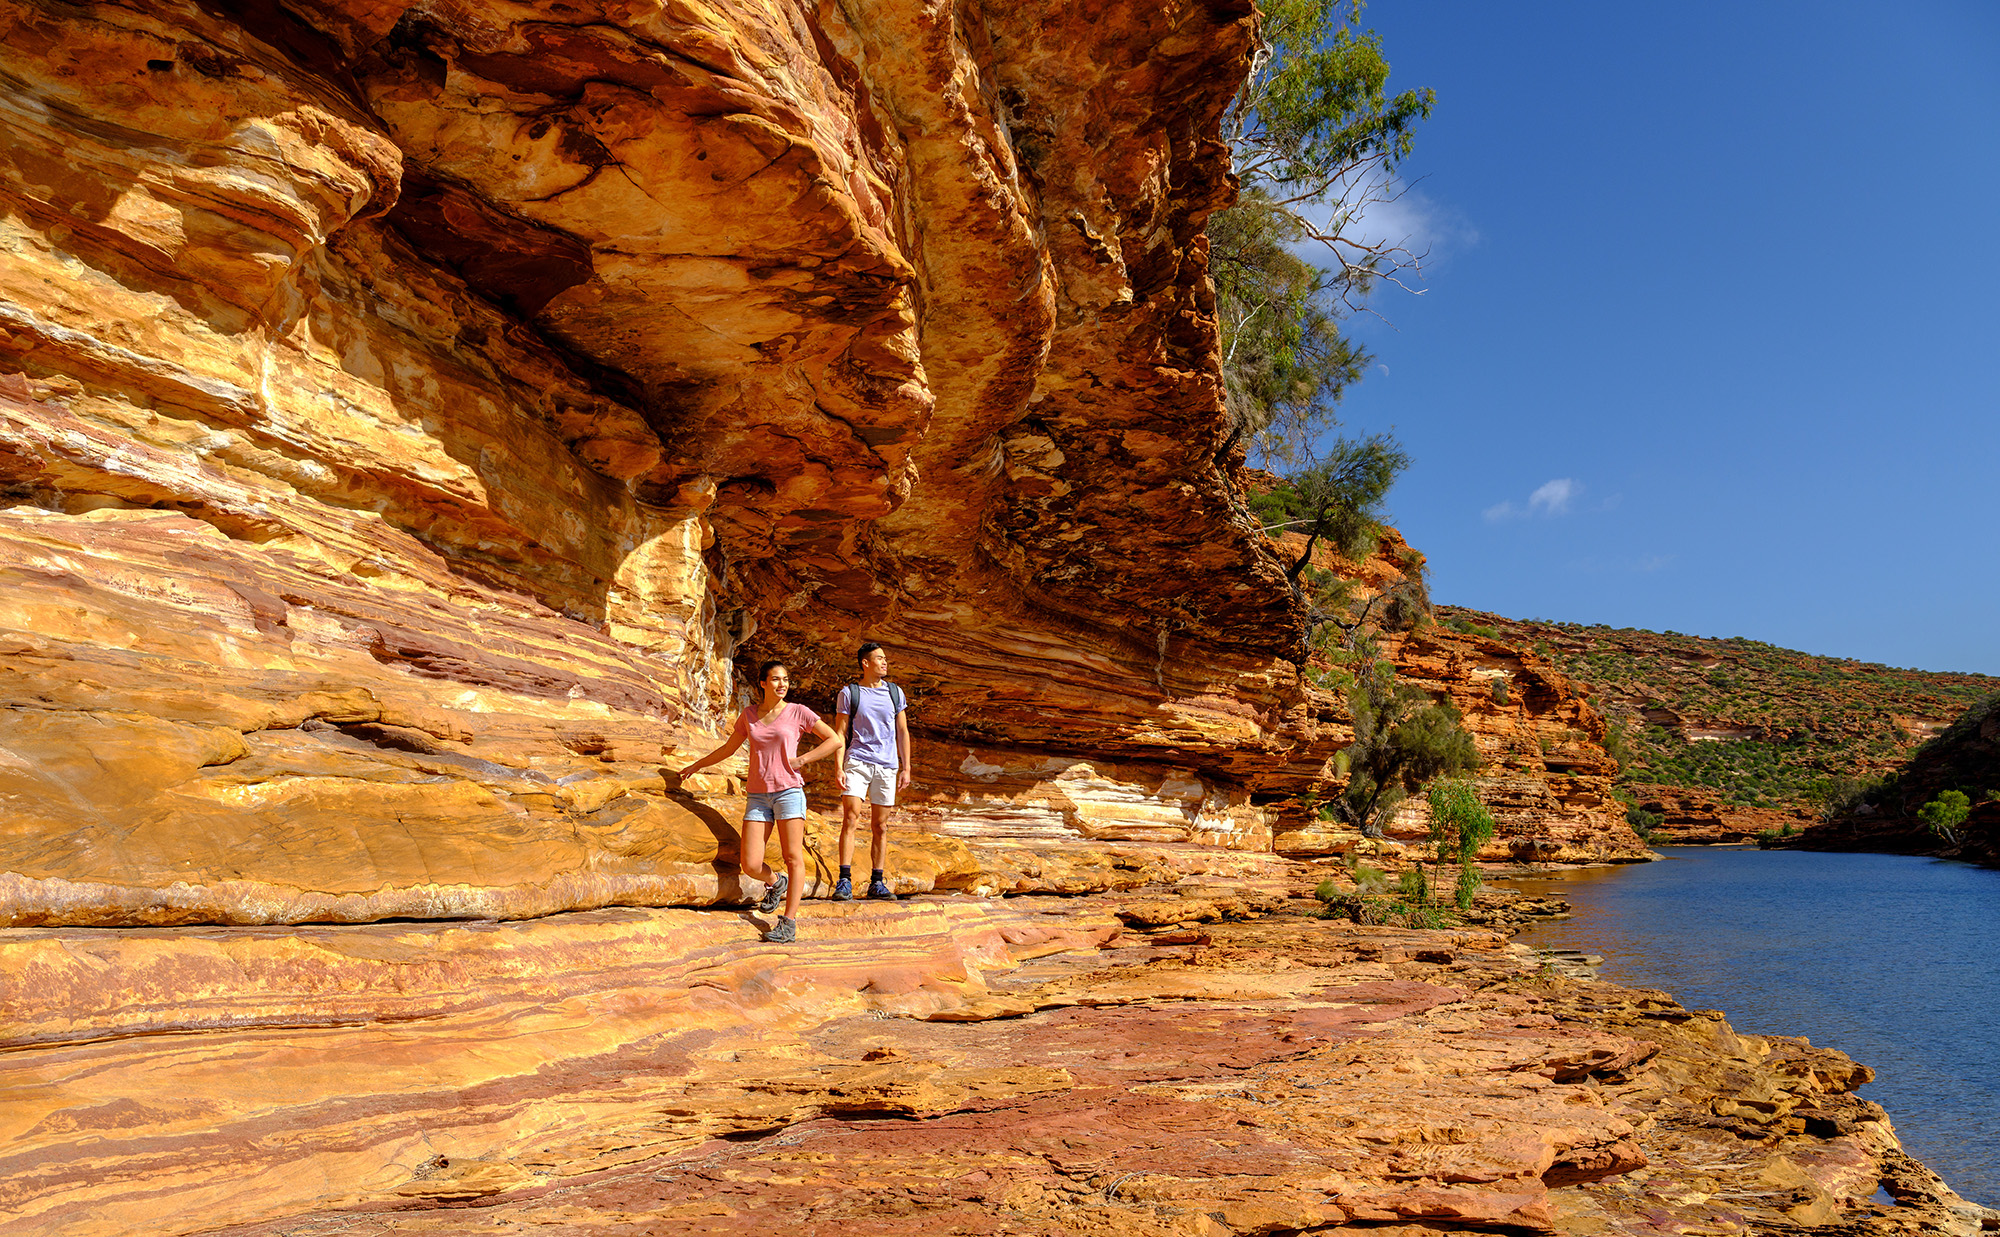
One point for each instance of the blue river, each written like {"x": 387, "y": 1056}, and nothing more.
{"x": 1892, "y": 959}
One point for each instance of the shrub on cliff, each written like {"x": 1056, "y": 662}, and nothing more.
{"x": 1402, "y": 740}
{"x": 1338, "y": 500}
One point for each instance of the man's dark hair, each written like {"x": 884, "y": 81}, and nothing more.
{"x": 764, "y": 671}
{"x": 866, "y": 649}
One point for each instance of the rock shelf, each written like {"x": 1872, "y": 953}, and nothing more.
{"x": 944, "y": 1064}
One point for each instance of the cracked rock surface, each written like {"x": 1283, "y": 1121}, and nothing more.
{"x": 942, "y": 1065}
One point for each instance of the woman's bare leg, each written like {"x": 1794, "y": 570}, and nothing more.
{"x": 792, "y": 841}
{"x": 750, "y": 860}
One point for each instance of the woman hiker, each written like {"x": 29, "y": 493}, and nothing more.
{"x": 777, "y": 790}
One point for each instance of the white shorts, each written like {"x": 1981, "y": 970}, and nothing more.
{"x": 875, "y": 783}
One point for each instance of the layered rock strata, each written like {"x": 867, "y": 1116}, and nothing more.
{"x": 1545, "y": 772}
{"x": 942, "y": 1065}
{"x": 423, "y": 410}
{"x": 419, "y": 414}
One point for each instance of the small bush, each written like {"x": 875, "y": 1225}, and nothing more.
{"x": 1500, "y": 693}
{"x": 1944, "y": 814}
{"x": 1643, "y": 823}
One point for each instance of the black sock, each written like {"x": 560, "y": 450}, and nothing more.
{"x": 847, "y": 872}
{"x": 877, "y": 876}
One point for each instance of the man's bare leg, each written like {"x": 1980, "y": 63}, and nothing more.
{"x": 850, "y": 821}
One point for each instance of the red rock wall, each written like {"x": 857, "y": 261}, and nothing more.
{"x": 420, "y": 409}
{"x": 1544, "y": 770}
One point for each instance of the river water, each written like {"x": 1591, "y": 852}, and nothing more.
{"x": 1893, "y": 959}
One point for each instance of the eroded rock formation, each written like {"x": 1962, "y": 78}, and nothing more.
{"x": 421, "y": 406}
{"x": 421, "y": 410}
{"x": 944, "y": 1065}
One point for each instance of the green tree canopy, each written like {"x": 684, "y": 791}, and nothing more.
{"x": 1338, "y": 499}
{"x": 1402, "y": 740}
{"x": 1944, "y": 814}
{"x": 1316, "y": 139}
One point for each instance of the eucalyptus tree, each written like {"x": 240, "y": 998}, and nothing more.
{"x": 1316, "y": 139}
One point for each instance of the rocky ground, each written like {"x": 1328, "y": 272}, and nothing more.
{"x": 1204, "y": 1057}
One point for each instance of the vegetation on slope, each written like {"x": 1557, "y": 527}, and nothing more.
{"x": 1760, "y": 725}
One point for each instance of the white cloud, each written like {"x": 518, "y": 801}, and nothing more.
{"x": 1551, "y": 498}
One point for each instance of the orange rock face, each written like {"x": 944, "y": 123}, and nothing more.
{"x": 419, "y": 414}
{"x": 941, "y": 1065}
{"x": 1544, "y": 771}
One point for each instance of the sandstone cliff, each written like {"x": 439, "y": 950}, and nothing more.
{"x": 1545, "y": 771}
{"x": 420, "y": 410}
{"x": 422, "y": 406}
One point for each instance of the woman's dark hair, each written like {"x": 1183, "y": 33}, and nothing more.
{"x": 866, "y": 649}
{"x": 764, "y": 671}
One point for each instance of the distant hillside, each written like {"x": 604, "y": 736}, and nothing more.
{"x": 1965, "y": 758}
{"x": 1756, "y": 728}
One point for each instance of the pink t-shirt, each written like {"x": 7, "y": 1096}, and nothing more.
{"x": 773, "y": 743}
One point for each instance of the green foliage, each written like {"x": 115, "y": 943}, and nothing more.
{"x": 1468, "y": 885}
{"x": 1944, "y": 814}
{"x": 1338, "y": 499}
{"x": 1619, "y": 747}
{"x": 1285, "y": 361}
{"x": 1499, "y": 692}
{"x": 1402, "y": 739}
{"x": 1643, "y": 822}
{"x": 1460, "y": 825}
{"x": 1833, "y": 797}
{"x": 1367, "y": 879}
{"x": 1316, "y": 137}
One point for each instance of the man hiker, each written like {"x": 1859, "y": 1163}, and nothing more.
{"x": 869, "y": 716}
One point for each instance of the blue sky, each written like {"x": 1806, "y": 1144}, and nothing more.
{"x": 1711, "y": 340}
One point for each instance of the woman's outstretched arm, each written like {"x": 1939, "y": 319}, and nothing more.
{"x": 722, "y": 753}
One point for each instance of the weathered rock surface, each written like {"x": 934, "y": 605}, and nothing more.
{"x": 1699, "y": 816}
{"x": 417, "y": 414}
{"x": 1546, "y": 774}
{"x": 422, "y": 410}
{"x": 949, "y": 1064}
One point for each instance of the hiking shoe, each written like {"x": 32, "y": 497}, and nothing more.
{"x": 880, "y": 889}
{"x": 786, "y": 931}
{"x": 843, "y": 890}
{"x": 774, "y": 894}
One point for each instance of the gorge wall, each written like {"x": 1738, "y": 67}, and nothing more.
{"x": 418, "y": 411}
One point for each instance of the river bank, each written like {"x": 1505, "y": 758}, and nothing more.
{"x": 1888, "y": 957}
{"x": 1201, "y": 1059}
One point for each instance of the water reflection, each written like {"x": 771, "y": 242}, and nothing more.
{"x": 1892, "y": 959}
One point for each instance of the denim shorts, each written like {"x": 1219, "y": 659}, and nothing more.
{"x": 787, "y": 804}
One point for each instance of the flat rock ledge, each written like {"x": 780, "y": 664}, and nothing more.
{"x": 1184, "y": 1059}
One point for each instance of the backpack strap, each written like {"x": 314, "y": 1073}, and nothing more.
{"x": 852, "y": 694}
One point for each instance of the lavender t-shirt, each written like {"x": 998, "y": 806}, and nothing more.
{"x": 773, "y": 743}
{"x": 871, "y": 734}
